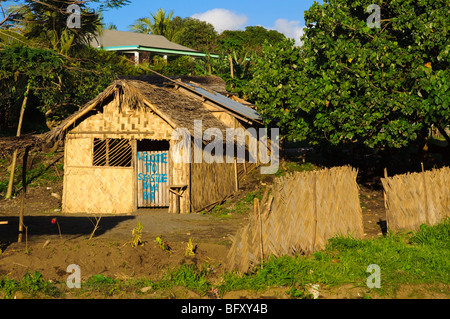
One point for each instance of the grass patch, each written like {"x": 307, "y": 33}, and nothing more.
{"x": 404, "y": 258}
{"x": 239, "y": 206}
{"x": 41, "y": 174}
{"x": 187, "y": 276}
{"x": 287, "y": 167}
{"x": 31, "y": 285}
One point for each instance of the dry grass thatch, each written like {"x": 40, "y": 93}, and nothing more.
{"x": 302, "y": 213}
{"x": 414, "y": 199}
{"x": 176, "y": 108}
{"x": 9, "y": 144}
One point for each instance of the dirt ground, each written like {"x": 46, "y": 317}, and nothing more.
{"x": 110, "y": 253}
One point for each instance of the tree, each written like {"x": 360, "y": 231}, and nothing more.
{"x": 41, "y": 26}
{"x": 142, "y": 25}
{"x": 249, "y": 40}
{"x": 275, "y": 86}
{"x": 380, "y": 87}
{"x": 44, "y": 22}
{"x": 158, "y": 23}
{"x": 198, "y": 35}
{"x": 161, "y": 22}
{"x": 174, "y": 29}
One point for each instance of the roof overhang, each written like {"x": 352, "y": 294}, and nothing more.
{"x": 160, "y": 50}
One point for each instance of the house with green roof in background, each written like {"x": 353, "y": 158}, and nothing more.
{"x": 141, "y": 47}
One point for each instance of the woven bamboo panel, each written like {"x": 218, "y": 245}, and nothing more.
{"x": 144, "y": 124}
{"x": 210, "y": 183}
{"x": 102, "y": 190}
{"x": 414, "y": 199}
{"x": 179, "y": 175}
{"x": 79, "y": 151}
{"x": 307, "y": 209}
{"x": 244, "y": 168}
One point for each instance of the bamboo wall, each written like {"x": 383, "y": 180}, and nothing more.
{"x": 414, "y": 199}
{"x": 96, "y": 189}
{"x": 179, "y": 175}
{"x": 128, "y": 123}
{"x": 102, "y": 190}
{"x": 244, "y": 168}
{"x": 304, "y": 210}
{"x": 211, "y": 182}
{"x": 206, "y": 183}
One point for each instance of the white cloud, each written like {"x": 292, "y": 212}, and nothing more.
{"x": 222, "y": 19}
{"x": 290, "y": 29}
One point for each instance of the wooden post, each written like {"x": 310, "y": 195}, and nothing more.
{"x": 384, "y": 191}
{"x": 256, "y": 201}
{"x": 230, "y": 58}
{"x": 236, "y": 175}
{"x": 177, "y": 204}
{"x": 11, "y": 175}
{"x": 134, "y": 164}
{"x": 19, "y": 128}
{"x": 24, "y": 193}
{"x": 427, "y": 213}
{"x": 385, "y": 199}
{"x": 189, "y": 198}
{"x": 107, "y": 152}
{"x": 315, "y": 209}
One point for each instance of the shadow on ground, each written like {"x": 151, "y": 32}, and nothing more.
{"x": 69, "y": 225}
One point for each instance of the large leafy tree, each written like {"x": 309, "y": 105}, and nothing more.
{"x": 249, "y": 40}
{"x": 198, "y": 35}
{"x": 381, "y": 87}
{"x": 158, "y": 23}
{"x": 45, "y": 21}
{"x": 40, "y": 53}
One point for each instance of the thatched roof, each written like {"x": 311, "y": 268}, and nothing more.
{"x": 206, "y": 88}
{"x": 11, "y": 143}
{"x": 211, "y": 82}
{"x": 156, "y": 94}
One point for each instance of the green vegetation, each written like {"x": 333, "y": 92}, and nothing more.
{"x": 136, "y": 236}
{"x": 163, "y": 244}
{"x": 48, "y": 171}
{"x": 352, "y": 85}
{"x": 404, "y": 258}
{"x": 238, "y": 206}
{"x": 39, "y": 51}
{"x": 290, "y": 167}
{"x": 347, "y": 85}
{"x": 31, "y": 285}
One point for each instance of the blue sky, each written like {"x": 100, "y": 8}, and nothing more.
{"x": 285, "y": 16}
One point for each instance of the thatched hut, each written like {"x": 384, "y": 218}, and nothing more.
{"x": 119, "y": 154}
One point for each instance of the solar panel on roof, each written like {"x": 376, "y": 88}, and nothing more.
{"x": 228, "y": 103}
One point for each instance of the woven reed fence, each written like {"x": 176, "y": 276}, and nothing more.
{"x": 210, "y": 183}
{"x": 414, "y": 199}
{"x": 302, "y": 212}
